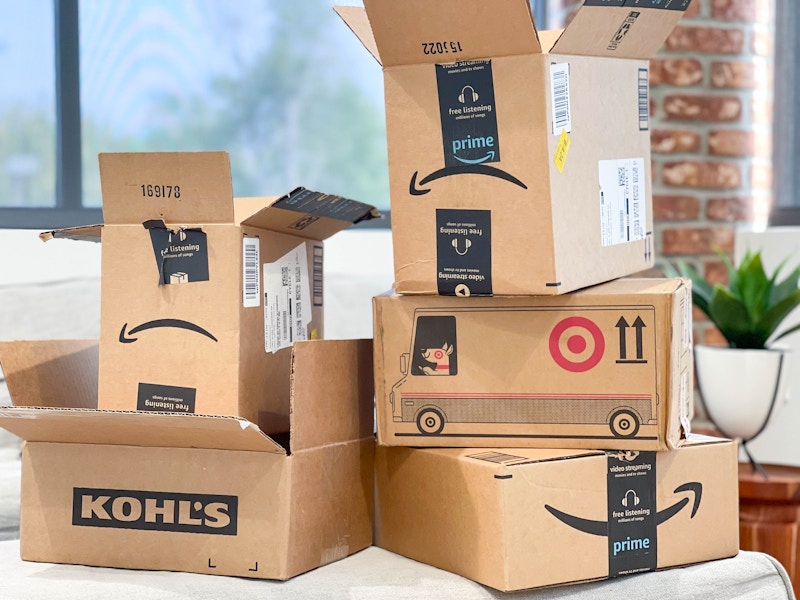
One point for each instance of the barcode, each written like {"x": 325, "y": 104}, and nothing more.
{"x": 644, "y": 100}
{"x": 317, "y": 276}
{"x": 559, "y": 83}
{"x": 251, "y": 284}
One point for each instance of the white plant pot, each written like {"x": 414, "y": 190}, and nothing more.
{"x": 742, "y": 389}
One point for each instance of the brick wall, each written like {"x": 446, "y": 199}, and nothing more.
{"x": 711, "y": 121}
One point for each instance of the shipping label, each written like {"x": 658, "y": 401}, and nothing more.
{"x": 623, "y": 201}
{"x": 251, "y": 272}
{"x": 287, "y": 300}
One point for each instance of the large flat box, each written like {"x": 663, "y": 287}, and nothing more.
{"x": 522, "y": 518}
{"x": 202, "y": 294}
{"x": 519, "y": 160}
{"x": 203, "y": 494}
{"x": 609, "y": 367}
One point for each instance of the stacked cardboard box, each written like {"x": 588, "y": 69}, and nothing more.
{"x": 519, "y": 165}
{"x": 192, "y": 437}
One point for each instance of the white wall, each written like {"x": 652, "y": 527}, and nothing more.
{"x": 780, "y": 442}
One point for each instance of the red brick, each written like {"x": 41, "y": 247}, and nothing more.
{"x": 715, "y": 271}
{"x": 674, "y": 140}
{"x": 742, "y": 10}
{"x": 675, "y": 208}
{"x": 712, "y": 337}
{"x": 731, "y": 142}
{"x": 696, "y": 240}
{"x": 677, "y": 71}
{"x": 693, "y": 10}
{"x": 706, "y": 40}
{"x": 685, "y": 107}
{"x": 730, "y": 209}
{"x": 702, "y": 174}
{"x": 698, "y": 315}
{"x": 733, "y": 74}
{"x": 656, "y": 72}
{"x": 763, "y": 41}
{"x": 762, "y": 108}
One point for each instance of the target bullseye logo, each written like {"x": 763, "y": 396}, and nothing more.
{"x": 577, "y": 344}
{"x": 438, "y": 355}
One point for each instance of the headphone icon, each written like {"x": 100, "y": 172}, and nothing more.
{"x": 467, "y": 245}
{"x": 464, "y": 98}
{"x": 626, "y": 502}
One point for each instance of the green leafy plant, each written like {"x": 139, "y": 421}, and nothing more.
{"x": 751, "y": 307}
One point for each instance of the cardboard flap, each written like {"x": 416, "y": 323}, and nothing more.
{"x": 90, "y": 233}
{"x": 446, "y": 31}
{"x": 620, "y": 28}
{"x": 176, "y": 187}
{"x": 117, "y": 428}
{"x": 308, "y": 214}
{"x": 332, "y": 392}
{"x": 51, "y": 372}
{"x": 355, "y": 17}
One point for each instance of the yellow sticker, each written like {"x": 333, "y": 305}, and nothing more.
{"x": 314, "y": 334}
{"x": 561, "y": 151}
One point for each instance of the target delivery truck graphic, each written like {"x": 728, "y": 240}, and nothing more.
{"x": 606, "y": 367}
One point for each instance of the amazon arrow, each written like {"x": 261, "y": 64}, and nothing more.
{"x": 177, "y": 323}
{"x": 600, "y": 528}
{"x": 480, "y": 169}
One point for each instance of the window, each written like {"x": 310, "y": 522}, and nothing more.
{"x": 786, "y": 208}
{"x": 284, "y": 87}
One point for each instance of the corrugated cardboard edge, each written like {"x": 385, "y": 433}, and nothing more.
{"x": 681, "y": 384}
{"x": 379, "y": 360}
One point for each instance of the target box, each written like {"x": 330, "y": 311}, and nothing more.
{"x": 607, "y": 367}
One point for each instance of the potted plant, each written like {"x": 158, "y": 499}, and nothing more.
{"x": 742, "y": 383}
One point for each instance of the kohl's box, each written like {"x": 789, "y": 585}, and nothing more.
{"x": 609, "y": 366}
{"x": 519, "y": 160}
{"x": 523, "y": 518}
{"x": 202, "y": 494}
{"x": 202, "y": 295}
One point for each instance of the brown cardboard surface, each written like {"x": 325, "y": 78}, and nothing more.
{"x": 194, "y": 493}
{"x": 606, "y": 367}
{"x": 531, "y": 178}
{"x": 481, "y": 513}
{"x": 190, "y": 321}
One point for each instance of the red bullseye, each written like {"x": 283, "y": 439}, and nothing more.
{"x": 576, "y": 344}
{"x": 438, "y": 354}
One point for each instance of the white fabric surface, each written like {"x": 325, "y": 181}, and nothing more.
{"x": 376, "y": 574}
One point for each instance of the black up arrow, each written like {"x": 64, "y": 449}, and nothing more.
{"x": 638, "y": 325}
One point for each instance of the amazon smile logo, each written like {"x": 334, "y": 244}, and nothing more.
{"x": 600, "y": 528}
{"x": 474, "y": 143}
{"x": 125, "y": 338}
{"x": 415, "y": 188}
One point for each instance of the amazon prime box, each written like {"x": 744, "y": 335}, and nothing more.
{"x": 520, "y": 518}
{"x": 203, "y": 294}
{"x": 519, "y": 160}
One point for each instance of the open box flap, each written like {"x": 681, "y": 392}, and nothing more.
{"x": 446, "y": 31}
{"x": 53, "y": 384}
{"x": 332, "y": 392}
{"x": 305, "y": 213}
{"x": 620, "y": 28}
{"x": 91, "y": 233}
{"x": 181, "y": 188}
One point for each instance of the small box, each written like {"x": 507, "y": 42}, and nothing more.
{"x": 609, "y": 366}
{"x": 519, "y": 160}
{"x": 214, "y": 495}
{"x": 250, "y": 284}
{"x": 524, "y": 518}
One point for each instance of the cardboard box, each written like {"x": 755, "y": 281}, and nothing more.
{"x": 606, "y": 367}
{"x": 202, "y": 294}
{"x": 519, "y": 161}
{"x": 193, "y": 493}
{"x": 522, "y": 518}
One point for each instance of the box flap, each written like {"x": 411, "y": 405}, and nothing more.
{"x": 332, "y": 392}
{"x": 446, "y": 31}
{"x": 119, "y": 428}
{"x": 620, "y": 28}
{"x": 305, "y": 213}
{"x": 513, "y": 457}
{"x": 91, "y": 233}
{"x": 51, "y": 372}
{"x": 355, "y": 17}
{"x": 176, "y": 187}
